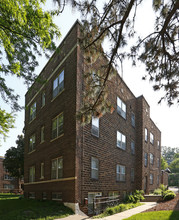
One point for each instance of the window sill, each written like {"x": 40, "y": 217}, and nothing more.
{"x": 57, "y": 137}
{"x": 31, "y": 151}
{"x": 42, "y": 178}
{"x": 32, "y": 120}
{"x": 42, "y": 142}
{"x": 97, "y": 136}
{"x": 57, "y": 95}
{"x": 121, "y": 148}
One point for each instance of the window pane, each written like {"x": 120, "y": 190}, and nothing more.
{"x": 54, "y": 169}
{"x": 60, "y": 125}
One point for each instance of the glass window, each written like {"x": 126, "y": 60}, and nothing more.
{"x": 158, "y": 145}
{"x": 151, "y": 138}
{"x": 145, "y": 159}
{"x": 121, "y": 140}
{"x": 44, "y": 195}
{"x": 151, "y": 158}
{"x": 31, "y": 195}
{"x": 132, "y": 147}
{"x": 57, "y": 126}
{"x": 42, "y": 134}
{"x": 57, "y": 168}
{"x": 132, "y": 174}
{"x": 133, "y": 119}
{"x": 32, "y": 174}
{"x": 121, "y": 108}
{"x": 57, "y": 196}
{"x": 91, "y": 197}
{"x": 42, "y": 170}
{"x": 158, "y": 162}
{"x": 95, "y": 126}
{"x": 151, "y": 178}
{"x": 43, "y": 99}
{"x": 32, "y": 111}
{"x": 8, "y": 186}
{"x": 94, "y": 168}
{"x": 32, "y": 143}
{"x": 146, "y": 134}
{"x": 113, "y": 195}
{"x": 120, "y": 173}
{"x": 58, "y": 84}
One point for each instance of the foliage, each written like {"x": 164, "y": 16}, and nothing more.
{"x": 157, "y": 191}
{"x": 164, "y": 163}
{"x": 169, "y": 195}
{"x": 14, "y": 158}
{"x": 6, "y": 122}
{"x": 116, "y": 209}
{"x": 135, "y": 197}
{"x": 169, "y": 152}
{"x": 114, "y": 22}
{"x": 173, "y": 179}
{"x": 26, "y": 31}
{"x": 22, "y": 209}
{"x": 174, "y": 166}
{"x": 176, "y": 155}
{"x": 157, "y": 215}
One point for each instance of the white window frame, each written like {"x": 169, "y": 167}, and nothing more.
{"x": 32, "y": 143}
{"x": 95, "y": 126}
{"x": 57, "y": 126}
{"x": 56, "y": 171}
{"x": 94, "y": 168}
{"x": 121, "y": 140}
{"x": 31, "y": 174}
{"x": 121, "y": 108}
{"x": 58, "y": 84}
{"x": 120, "y": 173}
{"x": 151, "y": 138}
{"x": 33, "y": 109}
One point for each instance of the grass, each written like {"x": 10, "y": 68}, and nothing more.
{"x": 156, "y": 215}
{"x": 13, "y": 207}
{"x": 116, "y": 209}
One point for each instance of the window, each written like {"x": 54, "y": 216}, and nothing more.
{"x": 151, "y": 158}
{"x": 8, "y": 186}
{"x": 113, "y": 195}
{"x": 151, "y": 138}
{"x": 151, "y": 178}
{"x": 7, "y": 177}
{"x": 94, "y": 168}
{"x": 158, "y": 162}
{"x": 132, "y": 147}
{"x": 91, "y": 197}
{"x": 132, "y": 174}
{"x": 32, "y": 174}
{"x": 44, "y": 195}
{"x": 133, "y": 119}
{"x": 95, "y": 126}
{"x": 57, "y": 196}
{"x": 145, "y": 159}
{"x": 58, "y": 84}
{"x": 57, "y": 168}
{"x": 158, "y": 145}
{"x": 32, "y": 111}
{"x": 121, "y": 108}
{"x": 120, "y": 173}
{"x": 42, "y": 170}
{"x": 121, "y": 140}
{"x": 32, "y": 143}
{"x": 42, "y": 134}
{"x": 57, "y": 126}
{"x": 31, "y": 195}
{"x": 146, "y": 134}
{"x": 43, "y": 99}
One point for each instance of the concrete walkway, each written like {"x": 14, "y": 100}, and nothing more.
{"x": 119, "y": 216}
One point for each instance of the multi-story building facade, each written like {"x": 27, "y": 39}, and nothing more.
{"x": 8, "y": 183}
{"x": 64, "y": 161}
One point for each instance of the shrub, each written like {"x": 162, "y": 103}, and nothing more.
{"x": 136, "y": 196}
{"x": 157, "y": 191}
{"x": 169, "y": 196}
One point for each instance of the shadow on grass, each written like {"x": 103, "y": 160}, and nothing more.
{"x": 20, "y": 209}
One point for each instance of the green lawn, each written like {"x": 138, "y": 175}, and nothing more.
{"x": 14, "y": 208}
{"x": 157, "y": 215}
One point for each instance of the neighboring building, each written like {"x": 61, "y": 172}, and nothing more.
{"x": 8, "y": 183}
{"x": 116, "y": 154}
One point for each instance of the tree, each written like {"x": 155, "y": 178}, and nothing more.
{"x": 26, "y": 30}
{"x": 115, "y": 22}
{"x": 174, "y": 166}
{"x": 164, "y": 163}
{"x": 14, "y": 158}
{"x": 176, "y": 156}
{"x": 169, "y": 152}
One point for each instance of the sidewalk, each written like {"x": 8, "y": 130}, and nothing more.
{"x": 119, "y": 216}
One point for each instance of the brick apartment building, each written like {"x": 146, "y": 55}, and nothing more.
{"x": 113, "y": 155}
{"x": 8, "y": 183}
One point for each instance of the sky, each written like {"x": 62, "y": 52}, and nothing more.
{"x": 166, "y": 118}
